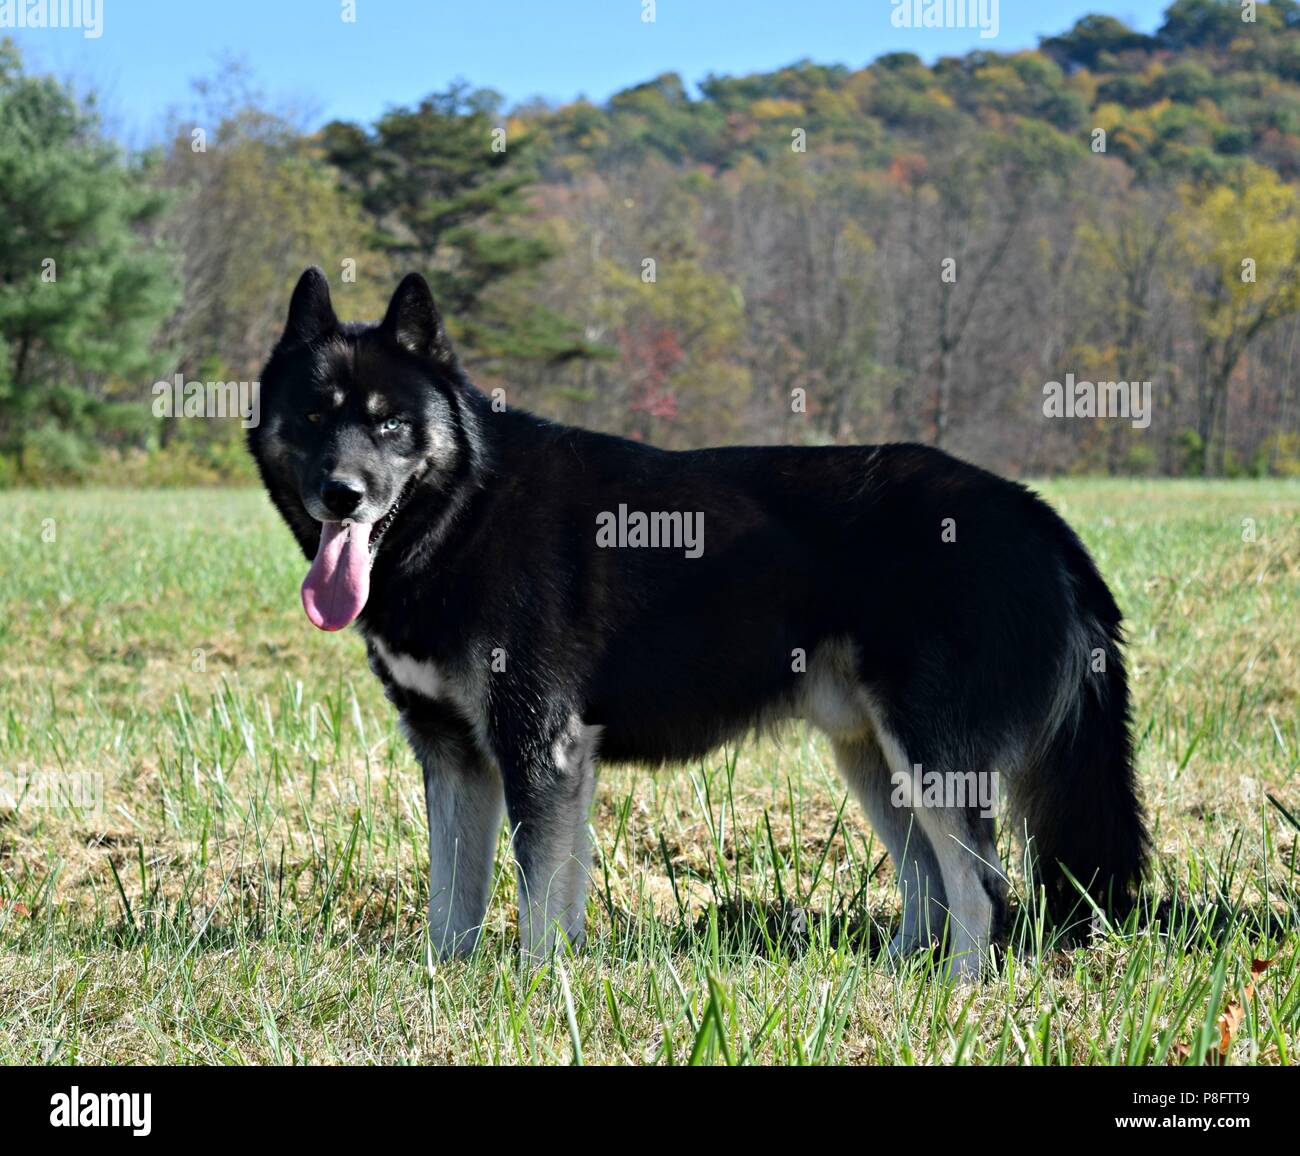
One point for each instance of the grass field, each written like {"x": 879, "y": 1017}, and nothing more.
{"x": 251, "y": 886}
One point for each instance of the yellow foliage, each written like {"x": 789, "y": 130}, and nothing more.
{"x": 1256, "y": 219}
{"x": 773, "y": 109}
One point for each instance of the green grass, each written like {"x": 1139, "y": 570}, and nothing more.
{"x": 252, "y": 887}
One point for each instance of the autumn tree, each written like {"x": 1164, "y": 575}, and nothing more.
{"x": 1241, "y": 241}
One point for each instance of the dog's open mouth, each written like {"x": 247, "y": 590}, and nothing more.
{"x": 338, "y": 583}
{"x": 381, "y": 526}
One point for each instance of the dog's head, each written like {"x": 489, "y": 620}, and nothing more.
{"x": 354, "y": 419}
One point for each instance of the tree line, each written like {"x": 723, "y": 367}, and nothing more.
{"x": 817, "y": 254}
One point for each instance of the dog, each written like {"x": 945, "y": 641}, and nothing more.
{"x": 535, "y": 596}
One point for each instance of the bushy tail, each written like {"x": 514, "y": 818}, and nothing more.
{"x": 1079, "y": 804}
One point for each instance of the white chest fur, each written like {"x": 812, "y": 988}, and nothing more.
{"x": 419, "y": 675}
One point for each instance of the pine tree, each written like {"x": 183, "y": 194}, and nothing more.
{"x": 81, "y": 291}
{"x": 444, "y": 185}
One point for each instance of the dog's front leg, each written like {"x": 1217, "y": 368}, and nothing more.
{"x": 464, "y": 801}
{"x": 549, "y": 800}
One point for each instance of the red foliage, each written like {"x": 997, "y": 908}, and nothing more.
{"x": 908, "y": 170}
{"x": 653, "y": 352}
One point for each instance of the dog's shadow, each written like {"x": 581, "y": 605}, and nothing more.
{"x": 772, "y": 929}
{"x": 783, "y": 929}
{"x": 777, "y": 929}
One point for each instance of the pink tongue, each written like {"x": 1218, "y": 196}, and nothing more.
{"x": 338, "y": 583}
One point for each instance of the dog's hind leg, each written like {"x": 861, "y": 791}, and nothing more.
{"x": 959, "y": 839}
{"x": 464, "y": 801}
{"x": 920, "y": 882}
{"x": 973, "y": 881}
{"x": 549, "y": 803}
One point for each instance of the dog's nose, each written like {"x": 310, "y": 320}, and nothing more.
{"x": 342, "y": 495}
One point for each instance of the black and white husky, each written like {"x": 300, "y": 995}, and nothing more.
{"x": 535, "y": 596}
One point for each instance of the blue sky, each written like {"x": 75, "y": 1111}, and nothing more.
{"x": 301, "y": 52}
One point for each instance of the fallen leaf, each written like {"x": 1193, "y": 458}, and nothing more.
{"x": 1229, "y": 1022}
{"x": 1234, "y": 1015}
{"x": 20, "y": 909}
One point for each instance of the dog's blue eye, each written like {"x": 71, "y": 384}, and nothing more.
{"x": 391, "y": 425}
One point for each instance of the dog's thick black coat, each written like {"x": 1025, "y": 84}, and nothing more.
{"x": 919, "y": 610}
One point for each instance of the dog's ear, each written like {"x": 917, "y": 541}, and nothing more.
{"x": 413, "y": 322}
{"x": 310, "y": 313}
